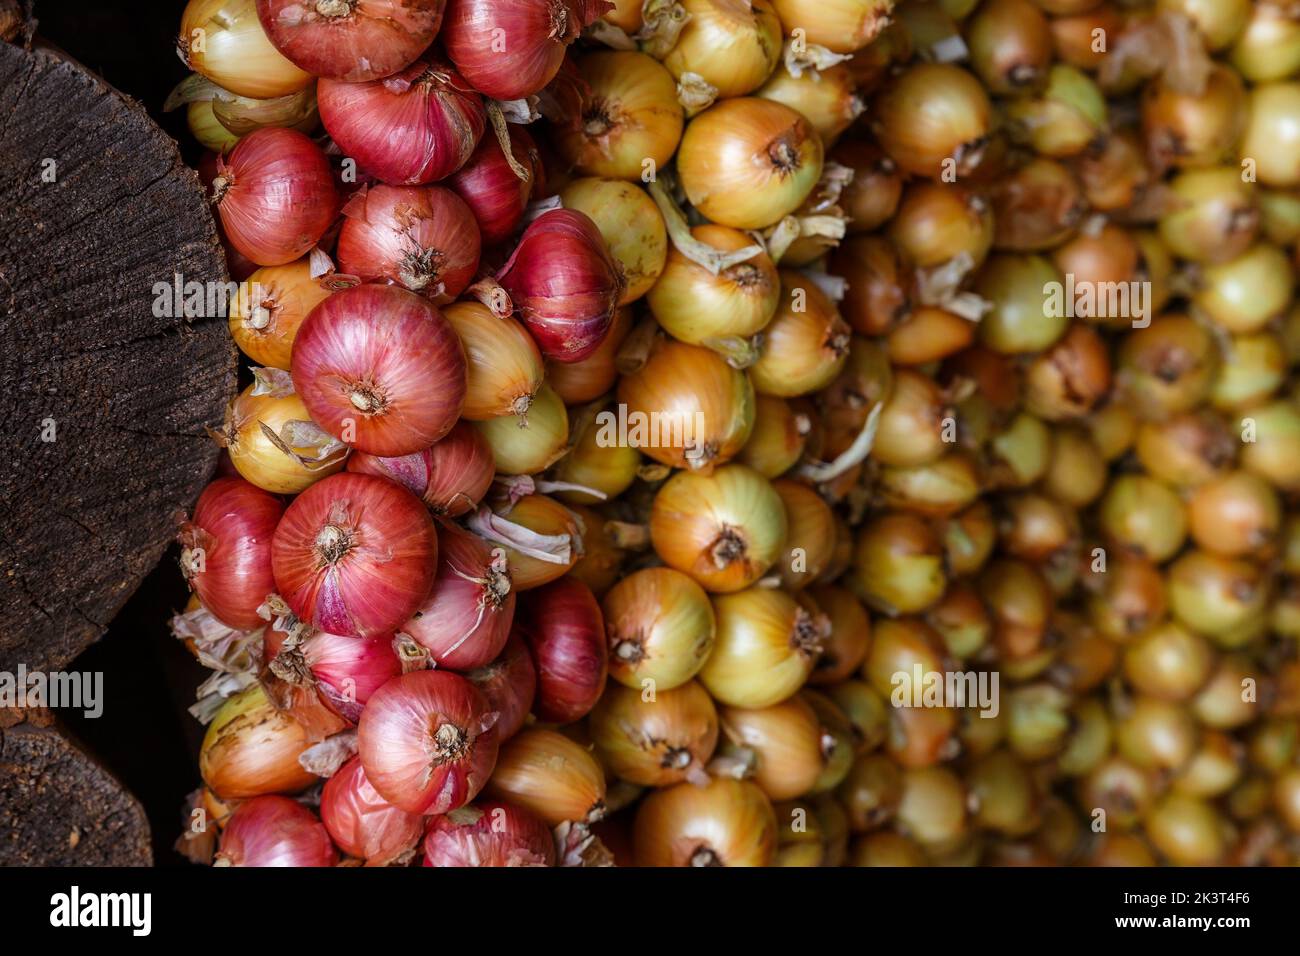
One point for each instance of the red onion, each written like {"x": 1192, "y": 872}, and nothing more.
{"x": 563, "y": 627}
{"x": 564, "y": 284}
{"x": 422, "y": 237}
{"x": 381, "y": 369}
{"x": 274, "y": 831}
{"x": 415, "y": 127}
{"x": 355, "y": 555}
{"x": 275, "y": 195}
{"x": 351, "y": 40}
{"x": 466, "y": 619}
{"x": 428, "y": 741}
{"x": 364, "y": 824}
{"x": 226, "y": 550}
{"x": 510, "y": 49}
{"x": 451, "y": 476}
{"x": 489, "y": 833}
{"x": 345, "y": 671}
{"x": 509, "y": 683}
{"x": 492, "y": 189}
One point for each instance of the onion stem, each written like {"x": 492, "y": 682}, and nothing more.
{"x": 679, "y": 231}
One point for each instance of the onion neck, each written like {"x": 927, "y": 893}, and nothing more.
{"x": 728, "y": 548}
{"x": 676, "y": 758}
{"x": 220, "y": 186}
{"x": 447, "y": 743}
{"x": 807, "y": 636}
{"x": 367, "y": 399}
{"x": 630, "y": 650}
{"x": 783, "y": 155}
{"x": 596, "y": 121}
{"x": 419, "y": 268}
{"x": 335, "y": 9}
{"x": 332, "y": 543}
{"x": 705, "y": 856}
{"x": 558, "y": 13}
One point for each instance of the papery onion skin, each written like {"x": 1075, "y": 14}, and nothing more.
{"x": 658, "y": 742}
{"x": 565, "y": 631}
{"x": 380, "y": 368}
{"x": 933, "y": 116}
{"x": 604, "y": 470}
{"x": 603, "y": 554}
{"x": 427, "y": 741}
{"x": 564, "y": 283}
{"x": 346, "y": 670}
{"x": 416, "y": 127}
{"x": 545, "y": 516}
{"x": 631, "y": 225}
{"x": 424, "y": 238}
{"x": 810, "y": 537}
{"x": 786, "y": 739}
{"x": 527, "y": 444}
{"x": 450, "y": 477}
{"x": 235, "y": 52}
{"x": 843, "y": 26}
{"x": 551, "y": 775}
{"x": 465, "y": 621}
{"x": 850, "y": 634}
{"x": 725, "y": 529}
{"x": 274, "y": 831}
{"x": 660, "y": 627}
{"x": 251, "y": 749}
{"x": 509, "y": 683}
{"x": 777, "y": 442}
{"x": 766, "y": 647}
{"x": 361, "y": 41}
{"x": 492, "y": 190}
{"x": 731, "y": 46}
{"x": 275, "y": 195}
{"x": 579, "y": 382}
{"x": 226, "y": 552}
{"x": 805, "y": 345}
{"x": 504, "y": 367}
{"x": 726, "y": 823}
{"x": 502, "y": 835}
{"x": 258, "y": 459}
{"x": 265, "y": 322}
{"x": 362, "y": 823}
{"x": 355, "y": 555}
{"x": 828, "y": 98}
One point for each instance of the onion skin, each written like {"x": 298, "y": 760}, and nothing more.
{"x": 565, "y": 632}
{"x": 630, "y": 224}
{"x": 564, "y": 283}
{"x": 504, "y": 367}
{"x": 546, "y": 516}
{"x": 366, "y": 42}
{"x": 731, "y": 46}
{"x": 492, "y": 190}
{"x": 362, "y": 823}
{"x": 805, "y": 345}
{"x": 416, "y": 127}
{"x": 251, "y": 749}
{"x": 274, "y": 831}
{"x": 427, "y": 741}
{"x": 727, "y": 823}
{"x": 933, "y": 113}
{"x": 766, "y": 647}
{"x": 843, "y": 26}
{"x": 786, "y": 739}
{"x": 380, "y": 368}
{"x": 345, "y": 670}
{"x": 551, "y": 775}
{"x": 260, "y": 460}
{"x": 489, "y": 833}
{"x": 528, "y": 444}
{"x": 660, "y": 628}
{"x": 237, "y": 54}
{"x": 580, "y": 382}
{"x": 355, "y": 555}
{"x": 275, "y": 195}
{"x": 450, "y": 477}
{"x": 657, "y": 742}
{"x": 226, "y": 552}
{"x": 510, "y": 684}
{"x": 287, "y": 294}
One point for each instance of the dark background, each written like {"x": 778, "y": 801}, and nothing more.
{"x": 144, "y": 735}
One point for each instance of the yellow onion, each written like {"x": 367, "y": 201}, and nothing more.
{"x": 700, "y": 307}
{"x": 1068, "y": 116}
{"x": 871, "y": 198}
{"x": 252, "y": 749}
{"x": 730, "y": 45}
{"x": 748, "y": 162}
{"x": 827, "y": 97}
{"x": 1144, "y": 516}
{"x": 866, "y": 380}
{"x": 273, "y": 442}
{"x": 1188, "y": 129}
{"x": 207, "y": 129}
{"x": 1274, "y": 454}
{"x": 1021, "y": 320}
{"x": 551, "y": 775}
{"x": 784, "y": 742}
{"x": 767, "y": 645}
{"x": 724, "y": 529}
{"x": 601, "y": 563}
{"x": 630, "y": 223}
{"x": 849, "y": 638}
{"x": 503, "y": 365}
{"x": 805, "y": 346}
{"x": 626, "y": 15}
{"x": 686, "y": 407}
{"x": 1272, "y": 137}
{"x": 224, "y": 40}
{"x": 1268, "y": 47}
{"x": 801, "y": 835}
{"x": 778, "y": 439}
{"x": 936, "y": 222}
{"x": 1011, "y": 45}
{"x": 1246, "y": 293}
{"x": 534, "y": 562}
{"x": 587, "y": 380}
{"x": 844, "y": 26}
{"x": 609, "y": 468}
{"x": 527, "y": 445}
{"x": 660, "y": 626}
{"x": 725, "y": 823}
{"x": 657, "y": 740}
{"x": 1219, "y": 21}
{"x": 810, "y": 534}
{"x": 933, "y": 118}
{"x": 898, "y": 564}
{"x": 929, "y": 334}
{"x": 1214, "y": 216}
{"x": 264, "y": 319}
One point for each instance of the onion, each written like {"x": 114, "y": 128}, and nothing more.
{"x": 355, "y": 555}
{"x": 843, "y": 26}
{"x": 849, "y": 638}
{"x": 595, "y": 468}
{"x": 786, "y": 742}
{"x": 562, "y": 625}
{"x": 417, "y": 126}
{"x": 655, "y": 742}
{"x": 510, "y": 49}
{"x": 778, "y": 439}
{"x": 427, "y": 741}
{"x": 363, "y": 824}
{"x": 525, "y": 445}
{"x": 207, "y": 129}
{"x": 686, "y": 407}
{"x": 346, "y": 671}
{"x": 274, "y": 831}
{"x": 928, "y": 335}
{"x": 451, "y": 476}
{"x": 251, "y": 748}
{"x": 423, "y": 238}
{"x": 273, "y": 442}
{"x": 724, "y": 529}
{"x": 630, "y": 121}
{"x": 881, "y": 285}
{"x": 748, "y": 162}
{"x": 934, "y": 116}
{"x": 630, "y": 224}
{"x": 766, "y": 647}
{"x": 660, "y": 628}
{"x": 275, "y": 195}
{"x": 937, "y": 222}
{"x": 805, "y": 346}
{"x": 810, "y": 540}
{"x": 1186, "y": 129}
{"x": 536, "y": 526}
{"x": 226, "y": 550}
{"x": 366, "y": 362}
{"x": 223, "y": 40}
{"x": 564, "y": 284}
{"x": 585, "y": 381}
{"x": 604, "y": 552}
{"x": 489, "y": 833}
{"x": 348, "y": 39}
{"x": 491, "y": 187}
{"x": 871, "y": 197}
{"x": 547, "y": 773}
{"x": 265, "y": 322}
{"x": 726, "y": 823}
{"x": 827, "y": 97}
{"x": 1272, "y": 137}
{"x": 505, "y": 369}
{"x": 1011, "y": 45}
{"x": 466, "y": 619}
{"x": 725, "y": 49}
{"x": 509, "y": 683}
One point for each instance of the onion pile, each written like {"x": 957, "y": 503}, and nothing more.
{"x": 752, "y": 432}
